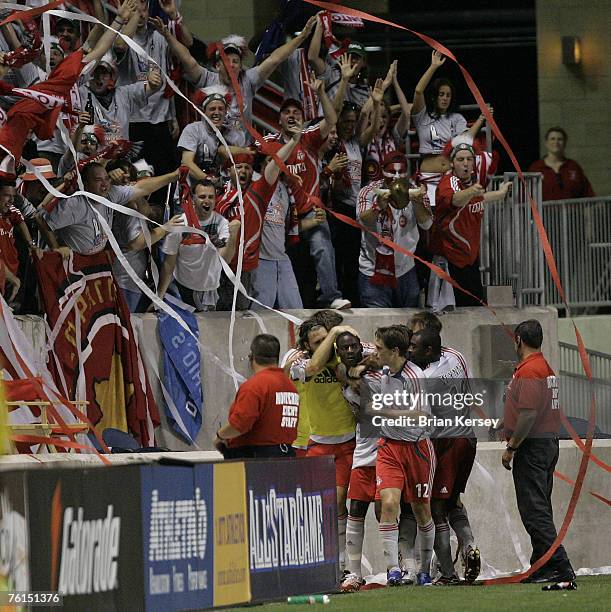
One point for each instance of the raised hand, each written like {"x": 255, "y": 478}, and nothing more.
{"x": 347, "y": 70}
{"x": 161, "y": 27}
{"x": 391, "y": 75}
{"x": 127, "y": 9}
{"x": 308, "y": 27}
{"x": 377, "y": 93}
{"x": 437, "y": 59}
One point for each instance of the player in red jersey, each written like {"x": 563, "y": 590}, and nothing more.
{"x": 456, "y": 230}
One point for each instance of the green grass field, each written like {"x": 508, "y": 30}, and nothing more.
{"x": 593, "y": 594}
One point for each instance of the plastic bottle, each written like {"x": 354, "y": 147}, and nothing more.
{"x": 309, "y": 599}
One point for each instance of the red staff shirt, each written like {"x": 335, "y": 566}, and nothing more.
{"x": 456, "y": 231}
{"x": 256, "y": 200}
{"x": 265, "y": 410}
{"x": 303, "y": 162}
{"x": 8, "y": 250}
{"x": 533, "y": 387}
{"x": 569, "y": 182}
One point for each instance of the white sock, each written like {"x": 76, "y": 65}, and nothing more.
{"x": 389, "y": 532}
{"x": 341, "y": 536}
{"x": 355, "y": 531}
{"x": 427, "y": 541}
{"x": 407, "y": 539}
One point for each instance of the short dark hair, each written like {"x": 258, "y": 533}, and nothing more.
{"x": 86, "y": 171}
{"x": 204, "y": 183}
{"x": 557, "y": 129}
{"x": 7, "y": 183}
{"x": 304, "y": 331}
{"x": 429, "y": 320}
{"x": 328, "y": 318}
{"x": 430, "y": 337}
{"x": 347, "y": 333}
{"x": 530, "y": 332}
{"x": 394, "y": 336}
{"x": 265, "y": 349}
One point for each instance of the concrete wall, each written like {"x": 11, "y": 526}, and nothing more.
{"x": 577, "y": 100}
{"x": 595, "y": 331}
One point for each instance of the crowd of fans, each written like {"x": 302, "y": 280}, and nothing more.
{"x": 306, "y": 213}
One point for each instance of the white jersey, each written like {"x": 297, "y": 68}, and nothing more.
{"x": 449, "y": 375}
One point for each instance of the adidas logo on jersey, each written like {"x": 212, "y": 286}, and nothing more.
{"x": 444, "y": 490}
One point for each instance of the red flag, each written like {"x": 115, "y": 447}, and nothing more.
{"x": 108, "y": 368}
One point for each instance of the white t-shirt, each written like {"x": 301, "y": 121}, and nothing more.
{"x": 198, "y": 266}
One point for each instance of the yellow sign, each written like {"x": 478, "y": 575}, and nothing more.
{"x": 231, "y": 568}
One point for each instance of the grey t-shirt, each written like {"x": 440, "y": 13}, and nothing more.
{"x": 125, "y": 105}
{"x": 273, "y": 232}
{"x": 77, "y": 224}
{"x": 435, "y": 132}
{"x": 357, "y": 93}
{"x": 199, "y": 138}
{"x": 348, "y": 194}
{"x": 126, "y": 229}
{"x": 250, "y": 80}
{"x": 134, "y": 68}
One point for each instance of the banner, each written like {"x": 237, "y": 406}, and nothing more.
{"x": 292, "y": 516}
{"x": 231, "y": 575}
{"x": 14, "y": 537}
{"x": 94, "y": 352}
{"x": 178, "y": 553}
{"x": 85, "y": 536}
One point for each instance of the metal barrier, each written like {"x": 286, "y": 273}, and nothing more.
{"x": 576, "y": 390}
{"x": 510, "y": 252}
{"x": 580, "y": 235}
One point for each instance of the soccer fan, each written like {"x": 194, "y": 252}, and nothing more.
{"x": 388, "y": 278}
{"x": 250, "y": 80}
{"x": 75, "y": 218}
{"x": 387, "y": 138}
{"x": 532, "y": 422}
{"x": 198, "y": 143}
{"x": 263, "y": 417}
{"x": 458, "y": 222}
{"x": 457, "y": 511}
{"x": 31, "y": 188}
{"x": 437, "y": 122}
{"x": 362, "y": 486}
{"x": 454, "y": 445}
{"x": 154, "y": 122}
{"x": 563, "y": 178}
{"x": 68, "y": 32}
{"x": 86, "y": 140}
{"x": 256, "y": 195}
{"x": 195, "y": 267}
{"x": 304, "y": 164}
{"x": 405, "y": 464}
{"x": 330, "y": 420}
{"x": 11, "y": 218}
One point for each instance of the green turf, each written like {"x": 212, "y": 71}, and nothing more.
{"x": 593, "y": 594}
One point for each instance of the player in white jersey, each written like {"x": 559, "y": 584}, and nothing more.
{"x": 362, "y": 486}
{"x": 406, "y": 460}
{"x": 451, "y": 361}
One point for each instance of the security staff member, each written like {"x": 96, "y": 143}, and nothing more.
{"x": 532, "y": 423}
{"x": 263, "y": 417}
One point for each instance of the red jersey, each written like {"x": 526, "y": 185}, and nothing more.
{"x": 456, "y": 231}
{"x": 8, "y": 250}
{"x": 265, "y": 410}
{"x": 570, "y": 182}
{"x": 304, "y": 163}
{"x": 533, "y": 387}
{"x": 256, "y": 200}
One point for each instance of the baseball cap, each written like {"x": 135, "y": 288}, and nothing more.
{"x": 43, "y": 165}
{"x": 461, "y": 146}
{"x": 356, "y": 48}
{"x": 394, "y": 164}
{"x": 290, "y": 102}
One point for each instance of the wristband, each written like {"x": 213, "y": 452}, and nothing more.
{"x": 511, "y": 448}
{"x": 119, "y": 21}
{"x": 219, "y": 437}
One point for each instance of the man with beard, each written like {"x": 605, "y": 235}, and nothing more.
{"x": 195, "y": 267}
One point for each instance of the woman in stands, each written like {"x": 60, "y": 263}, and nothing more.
{"x": 436, "y": 122}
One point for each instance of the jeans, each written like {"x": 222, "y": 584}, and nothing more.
{"x": 132, "y": 298}
{"x": 226, "y": 293}
{"x": 274, "y": 284}
{"x": 404, "y": 295}
{"x": 321, "y": 249}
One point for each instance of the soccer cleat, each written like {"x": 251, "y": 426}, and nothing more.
{"x": 340, "y": 304}
{"x": 408, "y": 577}
{"x": 570, "y": 585}
{"x": 473, "y": 563}
{"x": 553, "y": 576}
{"x": 423, "y": 579}
{"x": 394, "y": 577}
{"x": 444, "y": 581}
{"x": 351, "y": 584}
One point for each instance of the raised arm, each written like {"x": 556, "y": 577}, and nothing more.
{"x": 272, "y": 171}
{"x": 347, "y": 72}
{"x": 419, "y": 103}
{"x": 182, "y": 32}
{"x": 368, "y": 134}
{"x": 402, "y": 124}
{"x": 328, "y": 109}
{"x": 314, "y": 49}
{"x": 477, "y": 125}
{"x": 128, "y": 12}
{"x": 147, "y": 186}
{"x": 282, "y": 53}
{"x": 139, "y": 243}
{"x": 191, "y": 69}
